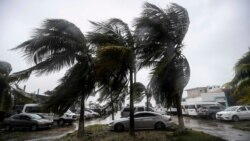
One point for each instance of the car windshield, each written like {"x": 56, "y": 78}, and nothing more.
{"x": 231, "y": 108}
{"x": 35, "y": 116}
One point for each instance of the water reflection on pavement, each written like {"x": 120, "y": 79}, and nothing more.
{"x": 212, "y": 127}
{"x": 216, "y": 128}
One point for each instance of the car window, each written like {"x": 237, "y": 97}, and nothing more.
{"x": 150, "y": 109}
{"x": 126, "y": 110}
{"x": 16, "y": 117}
{"x": 242, "y": 109}
{"x": 248, "y": 108}
{"x": 33, "y": 110}
{"x": 35, "y": 116}
{"x": 191, "y": 106}
{"x": 24, "y": 117}
{"x": 144, "y": 115}
{"x": 198, "y": 106}
{"x": 214, "y": 108}
{"x": 140, "y": 109}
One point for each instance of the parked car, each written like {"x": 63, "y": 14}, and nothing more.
{"x": 234, "y": 113}
{"x": 87, "y": 114}
{"x": 95, "y": 114}
{"x": 31, "y": 121}
{"x": 143, "y": 120}
{"x": 210, "y": 111}
{"x": 125, "y": 111}
{"x": 67, "y": 117}
{"x": 192, "y": 107}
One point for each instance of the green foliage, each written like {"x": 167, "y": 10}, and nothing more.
{"x": 240, "y": 84}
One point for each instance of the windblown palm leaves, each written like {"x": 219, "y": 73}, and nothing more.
{"x": 159, "y": 32}
{"x": 58, "y": 43}
{"x": 240, "y": 84}
{"x": 169, "y": 79}
{"x": 77, "y": 82}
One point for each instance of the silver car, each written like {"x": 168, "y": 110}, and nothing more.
{"x": 143, "y": 120}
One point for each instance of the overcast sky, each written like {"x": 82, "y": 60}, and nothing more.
{"x": 218, "y": 35}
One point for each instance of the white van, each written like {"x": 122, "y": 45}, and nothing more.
{"x": 194, "y": 106}
{"x": 67, "y": 117}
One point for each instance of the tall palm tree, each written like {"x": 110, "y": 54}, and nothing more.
{"x": 159, "y": 34}
{"x": 116, "y": 34}
{"x": 54, "y": 46}
{"x": 240, "y": 84}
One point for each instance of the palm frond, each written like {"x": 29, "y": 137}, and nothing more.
{"x": 169, "y": 79}
{"x": 159, "y": 31}
{"x": 78, "y": 81}
{"x": 242, "y": 69}
{"x": 54, "y": 46}
{"x": 112, "y": 32}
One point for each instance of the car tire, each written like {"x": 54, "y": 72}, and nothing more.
{"x": 60, "y": 122}
{"x": 8, "y": 127}
{"x": 33, "y": 127}
{"x": 119, "y": 127}
{"x": 213, "y": 116}
{"x": 160, "y": 126}
{"x": 235, "y": 118}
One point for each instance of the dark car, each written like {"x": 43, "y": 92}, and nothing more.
{"x": 30, "y": 121}
{"x": 209, "y": 111}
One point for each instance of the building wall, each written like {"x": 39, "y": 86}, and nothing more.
{"x": 192, "y": 93}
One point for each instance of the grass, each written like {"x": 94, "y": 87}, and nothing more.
{"x": 101, "y": 133}
{"x": 243, "y": 125}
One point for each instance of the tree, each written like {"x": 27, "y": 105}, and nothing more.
{"x": 115, "y": 36}
{"x": 58, "y": 44}
{"x": 240, "y": 84}
{"x": 159, "y": 34}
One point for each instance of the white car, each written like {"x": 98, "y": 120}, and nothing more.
{"x": 94, "y": 114}
{"x": 67, "y": 117}
{"x": 234, "y": 113}
{"x": 125, "y": 111}
{"x": 143, "y": 120}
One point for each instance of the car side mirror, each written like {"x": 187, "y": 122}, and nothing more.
{"x": 238, "y": 110}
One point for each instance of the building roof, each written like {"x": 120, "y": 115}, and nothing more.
{"x": 196, "y": 88}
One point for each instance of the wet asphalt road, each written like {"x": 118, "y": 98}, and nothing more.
{"x": 216, "y": 128}
{"x": 212, "y": 127}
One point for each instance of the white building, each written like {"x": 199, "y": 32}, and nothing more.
{"x": 206, "y": 94}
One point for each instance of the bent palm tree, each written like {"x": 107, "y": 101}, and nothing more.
{"x": 58, "y": 44}
{"x": 159, "y": 34}
{"x": 240, "y": 84}
{"x": 116, "y": 34}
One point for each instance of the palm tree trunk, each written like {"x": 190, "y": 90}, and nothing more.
{"x": 131, "y": 113}
{"x": 147, "y": 104}
{"x": 179, "y": 113}
{"x": 80, "y": 132}
{"x": 112, "y": 106}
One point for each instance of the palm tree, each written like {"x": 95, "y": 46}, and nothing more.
{"x": 9, "y": 94}
{"x": 240, "y": 84}
{"x": 159, "y": 34}
{"x": 115, "y": 35}
{"x": 54, "y": 46}
{"x": 111, "y": 68}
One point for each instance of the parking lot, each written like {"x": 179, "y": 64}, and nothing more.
{"x": 213, "y": 127}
